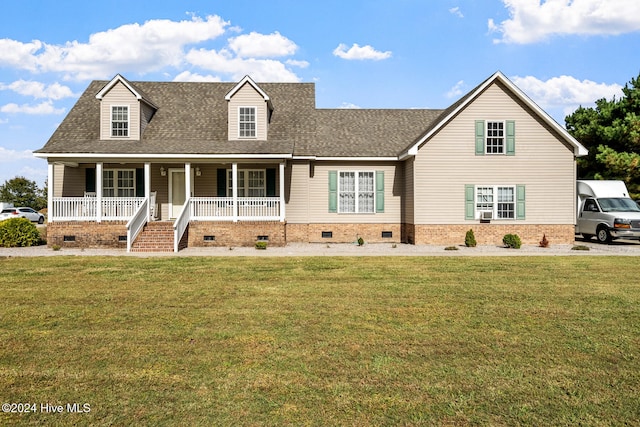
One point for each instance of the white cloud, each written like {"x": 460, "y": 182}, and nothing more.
{"x": 456, "y": 90}
{"x": 224, "y": 62}
{"x": 456, "y": 11}
{"x": 19, "y": 55}
{"x": 296, "y": 63}
{"x": 360, "y": 53}
{"x": 349, "y": 106}
{"x": 155, "y": 46}
{"x": 134, "y": 47}
{"x": 565, "y": 92}
{"x": 10, "y": 156}
{"x": 38, "y": 90}
{"x": 262, "y": 45}
{"x": 187, "y": 76}
{"x": 44, "y": 108}
{"x": 533, "y": 21}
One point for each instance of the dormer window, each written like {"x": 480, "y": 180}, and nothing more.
{"x": 119, "y": 121}
{"x": 247, "y": 122}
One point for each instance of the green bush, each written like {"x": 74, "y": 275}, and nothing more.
{"x": 18, "y": 232}
{"x": 470, "y": 239}
{"x": 512, "y": 241}
{"x": 261, "y": 244}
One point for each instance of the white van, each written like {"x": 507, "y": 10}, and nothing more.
{"x": 606, "y": 211}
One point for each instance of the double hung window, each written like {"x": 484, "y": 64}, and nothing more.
{"x": 119, "y": 121}
{"x": 356, "y": 192}
{"x": 495, "y": 138}
{"x": 251, "y": 183}
{"x": 500, "y": 201}
{"x": 247, "y": 122}
{"x": 119, "y": 183}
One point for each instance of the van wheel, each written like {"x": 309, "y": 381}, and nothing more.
{"x": 603, "y": 235}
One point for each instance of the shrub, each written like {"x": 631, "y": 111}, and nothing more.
{"x": 261, "y": 244}
{"x": 18, "y": 232}
{"x": 512, "y": 241}
{"x": 451, "y": 248}
{"x": 360, "y": 241}
{"x": 470, "y": 239}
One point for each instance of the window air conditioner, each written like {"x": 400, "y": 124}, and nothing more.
{"x": 486, "y": 215}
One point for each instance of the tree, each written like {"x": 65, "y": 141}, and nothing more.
{"x": 22, "y": 192}
{"x": 611, "y": 133}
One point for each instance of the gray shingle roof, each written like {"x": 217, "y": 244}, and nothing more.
{"x": 192, "y": 119}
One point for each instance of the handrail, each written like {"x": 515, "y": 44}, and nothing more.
{"x": 136, "y": 223}
{"x": 181, "y": 223}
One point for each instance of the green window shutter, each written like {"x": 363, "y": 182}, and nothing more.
{"x": 90, "y": 180}
{"x": 222, "y": 182}
{"x": 139, "y": 182}
{"x": 520, "y": 202}
{"x": 511, "y": 137}
{"x": 379, "y": 191}
{"x": 469, "y": 202}
{"x": 333, "y": 191}
{"x": 271, "y": 182}
{"x": 479, "y": 137}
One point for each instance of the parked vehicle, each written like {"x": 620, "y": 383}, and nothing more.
{"x": 22, "y": 212}
{"x": 606, "y": 211}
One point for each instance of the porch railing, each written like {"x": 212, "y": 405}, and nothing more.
{"x": 221, "y": 208}
{"x": 136, "y": 223}
{"x": 86, "y": 208}
{"x": 180, "y": 225}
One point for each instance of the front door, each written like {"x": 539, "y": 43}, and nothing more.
{"x": 177, "y": 194}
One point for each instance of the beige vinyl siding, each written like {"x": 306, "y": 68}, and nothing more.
{"x": 319, "y": 194}
{"x": 119, "y": 95}
{"x": 298, "y": 196}
{"x": 68, "y": 181}
{"x": 542, "y": 162}
{"x": 407, "y": 211}
{"x": 58, "y": 179}
{"x": 247, "y": 96}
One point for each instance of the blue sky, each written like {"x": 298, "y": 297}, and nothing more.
{"x": 360, "y": 53}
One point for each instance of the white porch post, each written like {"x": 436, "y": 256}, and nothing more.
{"x": 50, "y": 187}
{"x": 147, "y": 187}
{"x": 282, "y": 207}
{"x": 234, "y": 190}
{"x": 187, "y": 180}
{"x": 99, "y": 192}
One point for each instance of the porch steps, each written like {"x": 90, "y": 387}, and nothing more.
{"x": 156, "y": 236}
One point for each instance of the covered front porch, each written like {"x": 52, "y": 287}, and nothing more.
{"x": 136, "y": 193}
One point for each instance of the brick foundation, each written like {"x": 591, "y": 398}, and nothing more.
{"x": 235, "y": 234}
{"x": 87, "y": 234}
{"x": 343, "y": 233}
{"x": 489, "y": 234}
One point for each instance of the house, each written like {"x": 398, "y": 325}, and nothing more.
{"x": 156, "y": 166}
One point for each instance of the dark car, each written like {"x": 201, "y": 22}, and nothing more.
{"x": 23, "y": 212}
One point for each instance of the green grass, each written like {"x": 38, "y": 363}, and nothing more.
{"x": 322, "y": 341}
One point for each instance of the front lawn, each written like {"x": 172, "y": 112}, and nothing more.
{"x": 321, "y": 341}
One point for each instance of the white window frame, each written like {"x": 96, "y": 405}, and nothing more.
{"x": 493, "y": 205}
{"x": 502, "y": 145}
{"x": 115, "y": 190}
{"x": 254, "y": 134}
{"x": 244, "y": 187}
{"x": 126, "y": 130}
{"x": 357, "y": 208}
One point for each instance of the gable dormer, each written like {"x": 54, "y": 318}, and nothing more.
{"x": 249, "y": 111}
{"x": 124, "y": 110}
